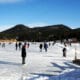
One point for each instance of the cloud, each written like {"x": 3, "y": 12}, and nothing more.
{"x": 37, "y": 24}
{"x": 10, "y": 1}
{"x": 4, "y": 27}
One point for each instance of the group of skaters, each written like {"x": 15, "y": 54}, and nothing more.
{"x": 45, "y": 46}
{"x": 19, "y": 45}
{"x": 2, "y": 44}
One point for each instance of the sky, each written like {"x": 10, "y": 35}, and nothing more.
{"x": 39, "y": 13}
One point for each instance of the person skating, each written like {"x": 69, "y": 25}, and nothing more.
{"x": 16, "y": 45}
{"x": 64, "y": 52}
{"x": 40, "y": 46}
{"x": 23, "y": 53}
{"x": 45, "y": 47}
{"x": 28, "y": 45}
{"x": 20, "y": 45}
{"x": 3, "y": 45}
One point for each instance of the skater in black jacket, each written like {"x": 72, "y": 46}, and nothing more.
{"x": 23, "y": 53}
{"x": 64, "y": 52}
{"x": 40, "y": 46}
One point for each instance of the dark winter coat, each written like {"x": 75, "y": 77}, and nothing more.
{"x": 64, "y": 52}
{"x": 40, "y": 46}
{"x": 23, "y": 51}
{"x": 64, "y": 49}
{"x": 45, "y": 46}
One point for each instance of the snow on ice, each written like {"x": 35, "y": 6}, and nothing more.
{"x": 50, "y": 65}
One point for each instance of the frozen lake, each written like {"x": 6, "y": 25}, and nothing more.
{"x": 50, "y": 65}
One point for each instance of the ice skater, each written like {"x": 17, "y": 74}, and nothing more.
{"x": 20, "y": 45}
{"x": 16, "y": 45}
{"x": 3, "y": 45}
{"x": 45, "y": 46}
{"x": 23, "y": 54}
{"x": 28, "y": 45}
{"x": 40, "y": 46}
{"x": 64, "y": 52}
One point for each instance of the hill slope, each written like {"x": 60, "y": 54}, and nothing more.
{"x": 52, "y": 32}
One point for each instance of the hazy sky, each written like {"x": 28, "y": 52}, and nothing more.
{"x": 39, "y": 12}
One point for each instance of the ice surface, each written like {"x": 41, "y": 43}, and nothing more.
{"x": 50, "y": 65}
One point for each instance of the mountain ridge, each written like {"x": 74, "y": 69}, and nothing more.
{"x": 50, "y": 32}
